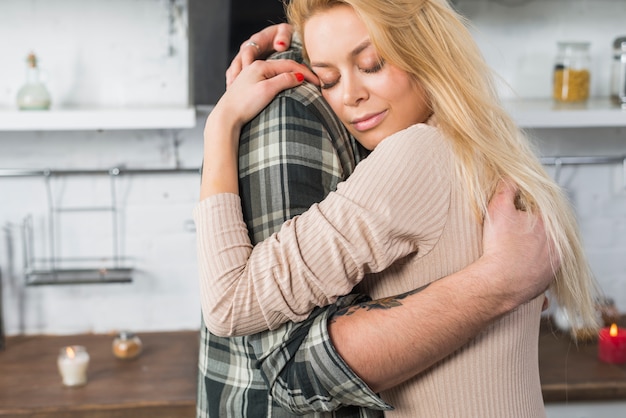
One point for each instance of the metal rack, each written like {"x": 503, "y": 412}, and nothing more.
{"x": 559, "y": 162}
{"x": 2, "y": 336}
{"x": 53, "y": 269}
{"x": 115, "y": 269}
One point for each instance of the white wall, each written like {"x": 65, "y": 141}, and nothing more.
{"x": 519, "y": 40}
{"x": 156, "y": 231}
{"x": 101, "y": 54}
{"x": 116, "y": 53}
{"x": 96, "y": 53}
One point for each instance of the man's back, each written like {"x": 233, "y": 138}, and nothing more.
{"x": 291, "y": 155}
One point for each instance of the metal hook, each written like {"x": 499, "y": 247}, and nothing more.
{"x": 558, "y": 164}
{"x": 624, "y": 173}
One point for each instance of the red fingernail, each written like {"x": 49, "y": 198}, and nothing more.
{"x": 281, "y": 43}
{"x": 300, "y": 77}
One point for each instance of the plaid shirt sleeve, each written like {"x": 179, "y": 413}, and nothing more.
{"x": 305, "y": 374}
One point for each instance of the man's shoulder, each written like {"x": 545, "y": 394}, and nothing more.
{"x": 307, "y": 94}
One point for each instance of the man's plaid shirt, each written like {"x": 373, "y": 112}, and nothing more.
{"x": 291, "y": 156}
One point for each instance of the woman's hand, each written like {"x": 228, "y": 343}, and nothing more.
{"x": 259, "y": 46}
{"x": 255, "y": 88}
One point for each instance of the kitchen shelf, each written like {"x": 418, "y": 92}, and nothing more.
{"x": 97, "y": 119}
{"x": 546, "y": 113}
{"x": 79, "y": 276}
{"x": 528, "y": 113}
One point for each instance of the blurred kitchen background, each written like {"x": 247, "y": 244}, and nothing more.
{"x": 102, "y": 185}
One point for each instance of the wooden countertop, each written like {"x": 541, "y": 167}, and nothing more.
{"x": 161, "y": 382}
{"x": 572, "y": 372}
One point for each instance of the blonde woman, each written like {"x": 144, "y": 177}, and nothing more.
{"x": 409, "y": 83}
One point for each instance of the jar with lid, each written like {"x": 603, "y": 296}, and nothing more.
{"x": 126, "y": 345}
{"x": 572, "y": 75}
{"x": 618, "y": 74}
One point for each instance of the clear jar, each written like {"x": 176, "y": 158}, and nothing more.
{"x": 618, "y": 72}
{"x": 572, "y": 75}
{"x": 126, "y": 345}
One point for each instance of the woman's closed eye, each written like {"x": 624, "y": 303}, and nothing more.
{"x": 327, "y": 76}
{"x": 325, "y": 85}
{"x": 374, "y": 68}
{"x": 327, "y": 82}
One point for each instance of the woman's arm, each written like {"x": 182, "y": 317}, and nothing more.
{"x": 393, "y": 205}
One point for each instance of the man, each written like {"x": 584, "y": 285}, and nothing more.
{"x": 291, "y": 155}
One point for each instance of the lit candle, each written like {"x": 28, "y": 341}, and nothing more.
{"x": 73, "y": 362}
{"x": 612, "y": 345}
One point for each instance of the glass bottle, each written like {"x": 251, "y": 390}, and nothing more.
{"x": 571, "y": 72}
{"x": 33, "y": 95}
{"x": 618, "y": 76}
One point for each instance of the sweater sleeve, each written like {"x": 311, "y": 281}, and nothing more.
{"x": 393, "y": 205}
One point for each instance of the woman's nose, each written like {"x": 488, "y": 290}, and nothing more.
{"x": 354, "y": 91}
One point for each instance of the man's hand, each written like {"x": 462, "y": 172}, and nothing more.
{"x": 516, "y": 248}
{"x": 259, "y": 46}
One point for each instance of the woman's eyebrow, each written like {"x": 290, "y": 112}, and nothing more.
{"x": 355, "y": 52}
{"x": 361, "y": 47}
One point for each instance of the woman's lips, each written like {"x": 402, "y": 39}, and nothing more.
{"x": 369, "y": 121}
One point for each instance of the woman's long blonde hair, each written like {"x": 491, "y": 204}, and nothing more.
{"x": 430, "y": 41}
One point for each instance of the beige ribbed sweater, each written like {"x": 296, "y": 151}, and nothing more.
{"x": 399, "y": 222}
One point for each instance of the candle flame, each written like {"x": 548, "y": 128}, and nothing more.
{"x": 71, "y": 354}
{"x": 613, "y": 330}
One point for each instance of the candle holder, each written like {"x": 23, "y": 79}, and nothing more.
{"x": 73, "y": 362}
{"x": 612, "y": 345}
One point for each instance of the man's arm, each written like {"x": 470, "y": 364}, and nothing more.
{"x": 516, "y": 266}
{"x": 451, "y": 311}
{"x": 386, "y": 342}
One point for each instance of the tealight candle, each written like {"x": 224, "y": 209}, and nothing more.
{"x": 612, "y": 345}
{"x": 73, "y": 362}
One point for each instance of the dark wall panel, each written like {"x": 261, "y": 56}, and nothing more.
{"x": 217, "y": 28}
{"x": 208, "y": 48}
